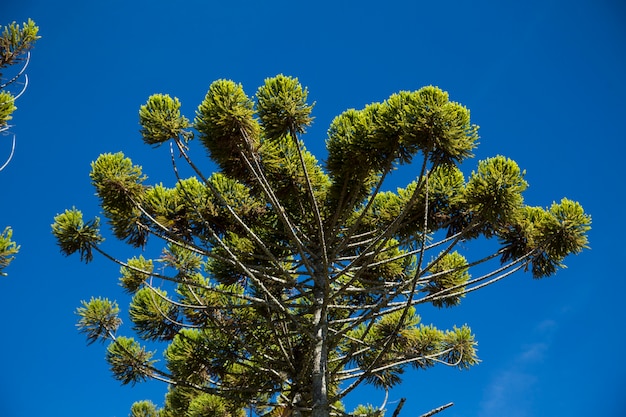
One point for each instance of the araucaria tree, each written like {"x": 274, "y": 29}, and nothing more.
{"x": 284, "y": 283}
{"x": 15, "y": 45}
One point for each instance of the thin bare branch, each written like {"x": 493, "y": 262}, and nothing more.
{"x": 290, "y": 227}
{"x": 377, "y": 245}
{"x": 19, "y": 74}
{"x": 437, "y": 410}
{"x": 315, "y": 205}
{"x": 10, "y": 155}
{"x": 230, "y": 209}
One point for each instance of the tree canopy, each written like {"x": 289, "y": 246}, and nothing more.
{"x": 15, "y": 44}
{"x": 285, "y": 282}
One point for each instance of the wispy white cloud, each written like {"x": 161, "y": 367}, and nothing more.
{"x": 506, "y": 395}
{"x": 546, "y": 327}
{"x": 533, "y": 353}
{"x": 510, "y": 391}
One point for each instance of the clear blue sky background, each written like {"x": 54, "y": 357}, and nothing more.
{"x": 545, "y": 80}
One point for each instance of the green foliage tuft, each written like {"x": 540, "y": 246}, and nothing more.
{"x": 8, "y": 248}
{"x": 446, "y": 200}
{"x": 17, "y": 40}
{"x": 135, "y": 274}
{"x": 207, "y": 405}
{"x": 117, "y": 181}
{"x": 119, "y": 185}
{"x": 449, "y": 273}
{"x": 143, "y": 409}
{"x": 460, "y": 347}
{"x": 282, "y": 107}
{"x": 353, "y": 162}
{"x": 130, "y": 363}
{"x": 7, "y": 107}
{"x": 73, "y": 235}
{"x": 563, "y": 231}
{"x": 363, "y": 143}
{"x": 153, "y": 316}
{"x": 227, "y": 127}
{"x": 98, "y": 319}
{"x": 547, "y": 236}
{"x": 568, "y": 233}
{"x": 494, "y": 191}
{"x": 419, "y": 345}
{"x": 367, "y": 411}
{"x": 188, "y": 357}
{"x": 161, "y": 120}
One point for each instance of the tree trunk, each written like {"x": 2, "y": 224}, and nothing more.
{"x": 319, "y": 375}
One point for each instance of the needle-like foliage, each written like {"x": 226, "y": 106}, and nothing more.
{"x": 284, "y": 283}
{"x": 15, "y": 44}
{"x": 8, "y": 249}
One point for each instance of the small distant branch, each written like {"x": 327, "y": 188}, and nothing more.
{"x": 434, "y": 410}
{"x": 396, "y": 412}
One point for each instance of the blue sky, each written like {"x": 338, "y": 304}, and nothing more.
{"x": 545, "y": 80}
